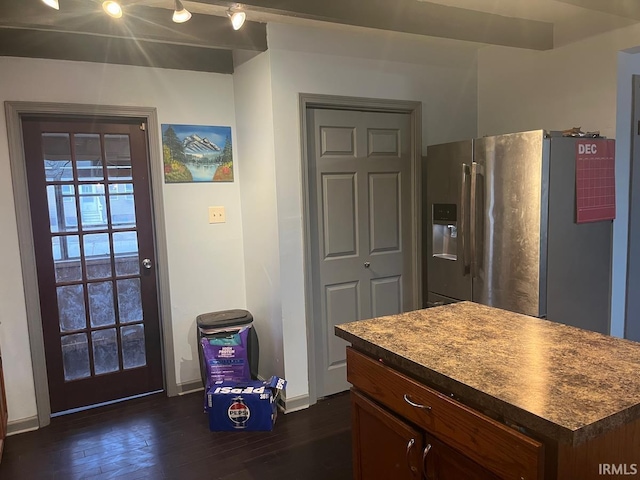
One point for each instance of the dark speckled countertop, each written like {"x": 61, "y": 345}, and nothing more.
{"x": 558, "y": 381}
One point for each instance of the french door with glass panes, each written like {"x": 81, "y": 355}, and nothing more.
{"x": 90, "y": 202}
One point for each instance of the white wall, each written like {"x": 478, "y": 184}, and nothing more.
{"x": 205, "y": 261}
{"x": 309, "y": 60}
{"x": 254, "y": 119}
{"x": 582, "y": 84}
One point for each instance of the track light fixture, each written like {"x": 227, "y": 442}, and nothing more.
{"x": 180, "y": 14}
{"x": 52, "y": 4}
{"x": 112, "y": 8}
{"x": 237, "y": 18}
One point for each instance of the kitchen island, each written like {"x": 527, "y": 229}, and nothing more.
{"x": 466, "y": 391}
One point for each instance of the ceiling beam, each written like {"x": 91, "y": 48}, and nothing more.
{"x": 139, "y": 22}
{"x": 18, "y": 42}
{"x": 620, "y": 8}
{"x": 412, "y": 16}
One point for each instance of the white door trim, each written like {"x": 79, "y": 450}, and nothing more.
{"x": 14, "y": 112}
{"x": 414, "y": 109}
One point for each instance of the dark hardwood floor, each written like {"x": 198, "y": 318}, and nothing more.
{"x": 169, "y": 438}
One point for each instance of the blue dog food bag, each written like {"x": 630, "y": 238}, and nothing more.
{"x": 226, "y": 357}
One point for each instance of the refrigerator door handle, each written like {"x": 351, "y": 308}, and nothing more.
{"x": 466, "y": 266}
{"x": 472, "y": 215}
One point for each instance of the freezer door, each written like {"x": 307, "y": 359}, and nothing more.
{"x": 446, "y": 230}
{"x": 508, "y": 203}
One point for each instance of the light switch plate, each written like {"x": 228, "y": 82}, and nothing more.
{"x": 216, "y": 215}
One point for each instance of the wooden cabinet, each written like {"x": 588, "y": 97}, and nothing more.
{"x": 386, "y": 447}
{"x": 3, "y": 411}
{"x": 450, "y": 440}
{"x": 445, "y": 463}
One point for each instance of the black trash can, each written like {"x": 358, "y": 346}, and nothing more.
{"x": 222, "y": 323}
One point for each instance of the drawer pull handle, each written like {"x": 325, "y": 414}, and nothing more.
{"x": 414, "y": 404}
{"x": 410, "y": 446}
{"x": 424, "y": 460}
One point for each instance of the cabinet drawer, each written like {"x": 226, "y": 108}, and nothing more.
{"x": 500, "y": 449}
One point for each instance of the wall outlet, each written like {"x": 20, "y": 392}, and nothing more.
{"x": 216, "y": 215}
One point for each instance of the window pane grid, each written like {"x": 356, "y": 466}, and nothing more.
{"x": 90, "y": 198}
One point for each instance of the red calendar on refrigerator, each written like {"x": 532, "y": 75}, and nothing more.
{"x": 595, "y": 180}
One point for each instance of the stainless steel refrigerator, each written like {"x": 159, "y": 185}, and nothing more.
{"x": 500, "y": 230}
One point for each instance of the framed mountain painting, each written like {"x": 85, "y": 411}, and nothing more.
{"x": 197, "y": 153}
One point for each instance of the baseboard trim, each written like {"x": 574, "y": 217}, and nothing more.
{"x": 190, "y": 387}
{"x": 294, "y": 404}
{"x": 23, "y": 425}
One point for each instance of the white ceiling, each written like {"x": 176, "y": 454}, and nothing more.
{"x": 571, "y": 23}
{"x": 423, "y": 26}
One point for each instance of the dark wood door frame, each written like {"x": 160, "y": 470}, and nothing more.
{"x": 14, "y": 112}
{"x": 89, "y": 215}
